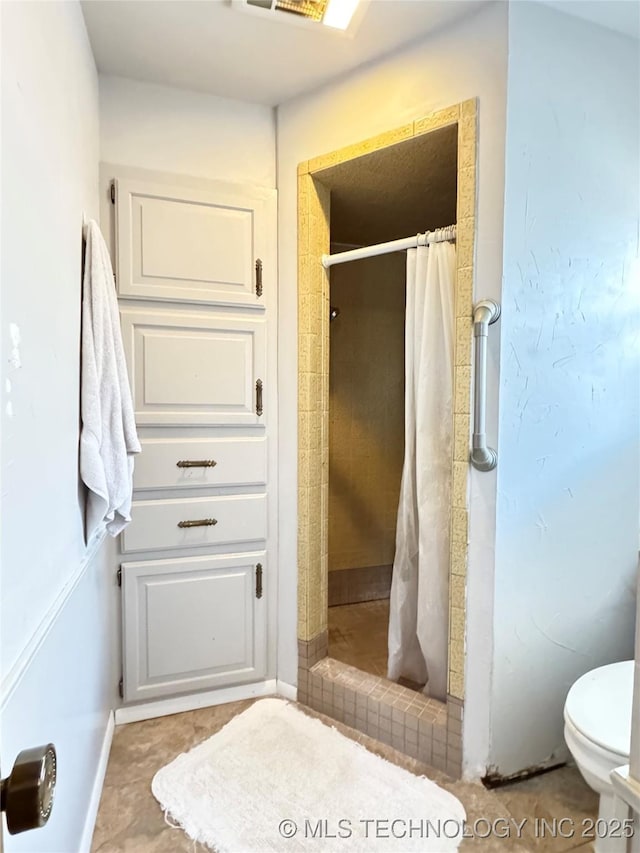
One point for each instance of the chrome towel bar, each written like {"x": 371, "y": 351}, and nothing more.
{"x": 485, "y": 313}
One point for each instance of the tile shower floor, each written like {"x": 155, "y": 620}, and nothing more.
{"x": 358, "y": 635}
{"x": 130, "y": 820}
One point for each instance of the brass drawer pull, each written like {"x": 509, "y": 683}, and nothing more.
{"x": 258, "y": 277}
{"x": 197, "y": 463}
{"x": 200, "y": 522}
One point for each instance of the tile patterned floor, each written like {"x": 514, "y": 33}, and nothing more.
{"x": 130, "y": 820}
{"x": 358, "y": 635}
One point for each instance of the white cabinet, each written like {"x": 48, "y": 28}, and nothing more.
{"x": 192, "y": 270}
{"x": 193, "y": 623}
{"x": 185, "y": 244}
{"x": 186, "y": 463}
{"x": 190, "y": 368}
{"x": 159, "y": 525}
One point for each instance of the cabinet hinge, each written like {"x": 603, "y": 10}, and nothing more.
{"x": 121, "y": 688}
{"x": 258, "y": 277}
{"x": 119, "y": 576}
{"x": 259, "y": 408}
{"x": 112, "y": 192}
{"x": 259, "y": 580}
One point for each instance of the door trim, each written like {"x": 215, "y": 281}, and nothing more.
{"x": 98, "y": 785}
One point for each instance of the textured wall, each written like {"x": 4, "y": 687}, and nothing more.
{"x": 567, "y": 517}
{"x": 366, "y": 410}
{"x": 461, "y": 61}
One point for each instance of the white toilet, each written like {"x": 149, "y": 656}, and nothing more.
{"x": 597, "y": 716}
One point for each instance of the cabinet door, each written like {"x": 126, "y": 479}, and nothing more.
{"x": 194, "y": 368}
{"x": 193, "y": 624}
{"x": 192, "y": 245}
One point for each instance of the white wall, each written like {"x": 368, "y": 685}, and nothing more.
{"x": 56, "y": 646}
{"x": 568, "y": 486}
{"x": 173, "y": 130}
{"x": 460, "y": 62}
{"x": 49, "y": 148}
{"x": 64, "y": 696}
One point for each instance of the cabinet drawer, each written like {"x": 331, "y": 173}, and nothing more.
{"x": 155, "y": 525}
{"x": 192, "y": 624}
{"x": 238, "y": 462}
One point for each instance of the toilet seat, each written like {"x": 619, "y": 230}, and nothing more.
{"x": 597, "y": 730}
{"x": 586, "y": 751}
{"x": 598, "y": 708}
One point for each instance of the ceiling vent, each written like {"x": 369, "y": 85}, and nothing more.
{"x": 311, "y": 9}
{"x": 336, "y": 14}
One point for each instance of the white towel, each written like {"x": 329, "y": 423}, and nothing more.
{"x": 108, "y": 438}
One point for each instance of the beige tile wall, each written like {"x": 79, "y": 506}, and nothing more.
{"x": 313, "y": 405}
{"x": 313, "y": 330}
{"x": 367, "y": 583}
{"x": 366, "y": 411}
{"x": 462, "y": 397}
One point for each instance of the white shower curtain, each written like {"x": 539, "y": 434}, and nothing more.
{"x": 419, "y": 606}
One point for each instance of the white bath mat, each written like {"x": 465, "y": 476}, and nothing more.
{"x": 274, "y": 779}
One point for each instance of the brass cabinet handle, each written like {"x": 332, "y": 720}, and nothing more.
{"x": 200, "y": 522}
{"x": 197, "y": 463}
{"x": 259, "y": 409}
{"x": 258, "y": 277}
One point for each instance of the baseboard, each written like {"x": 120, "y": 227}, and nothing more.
{"x": 288, "y": 691}
{"x": 178, "y": 704}
{"x": 96, "y": 790}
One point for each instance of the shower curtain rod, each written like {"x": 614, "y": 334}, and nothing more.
{"x": 440, "y": 235}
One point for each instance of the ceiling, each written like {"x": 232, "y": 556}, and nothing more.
{"x": 210, "y": 46}
{"x": 395, "y": 192}
{"x": 623, "y": 16}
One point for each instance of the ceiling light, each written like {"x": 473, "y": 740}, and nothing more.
{"x": 336, "y": 14}
{"x": 339, "y": 13}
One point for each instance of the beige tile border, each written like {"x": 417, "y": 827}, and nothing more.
{"x": 313, "y": 406}
{"x": 423, "y": 728}
{"x": 313, "y": 380}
